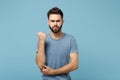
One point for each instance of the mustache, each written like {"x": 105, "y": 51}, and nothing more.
{"x": 55, "y": 26}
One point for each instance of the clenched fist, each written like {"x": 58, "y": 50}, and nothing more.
{"x": 41, "y": 36}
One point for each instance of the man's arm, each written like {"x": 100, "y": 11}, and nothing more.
{"x": 72, "y": 65}
{"x": 40, "y": 57}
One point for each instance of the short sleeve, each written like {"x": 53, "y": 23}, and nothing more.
{"x": 73, "y": 45}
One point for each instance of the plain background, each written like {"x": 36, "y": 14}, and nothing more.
{"x": 94, "y": 23}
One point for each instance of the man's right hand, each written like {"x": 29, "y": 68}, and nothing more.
{"x": 42, "y": 36}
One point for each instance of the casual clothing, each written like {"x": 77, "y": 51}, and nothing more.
{"x": 58, "y": 54}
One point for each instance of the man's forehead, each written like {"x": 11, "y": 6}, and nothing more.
{"x": 55, "y": 16}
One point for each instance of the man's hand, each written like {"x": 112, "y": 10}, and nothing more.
{"x": 47, "y": 70}
{"x": 41, "y": 36}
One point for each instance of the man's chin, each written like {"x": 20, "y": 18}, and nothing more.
{"x": 55, "y": 31}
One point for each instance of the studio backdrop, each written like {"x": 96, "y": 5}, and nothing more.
{"x": 94, "y": 23}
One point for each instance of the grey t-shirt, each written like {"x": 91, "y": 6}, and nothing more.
{"x": 58, "y": 54}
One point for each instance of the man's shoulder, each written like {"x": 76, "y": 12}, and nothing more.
{"x": 69, "y": 35}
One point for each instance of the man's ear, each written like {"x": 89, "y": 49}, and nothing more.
{"x": 63, "y": 22}
{"x": 48, "y": 22}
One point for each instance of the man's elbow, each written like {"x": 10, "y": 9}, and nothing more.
{"x": 39, "y": 65}
{"x": 75, "y": 67}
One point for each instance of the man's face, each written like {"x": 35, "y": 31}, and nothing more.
{"x": 55, "y": 22}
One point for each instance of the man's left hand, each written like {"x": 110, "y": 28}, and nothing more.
{"x": 47, "y": 70}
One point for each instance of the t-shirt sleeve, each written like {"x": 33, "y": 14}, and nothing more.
{"x": 73, "y": 46}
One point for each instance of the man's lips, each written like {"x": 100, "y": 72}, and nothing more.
{"x": 55, "y": 27}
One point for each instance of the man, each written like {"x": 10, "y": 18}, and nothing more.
{"x": 57, "y": 52}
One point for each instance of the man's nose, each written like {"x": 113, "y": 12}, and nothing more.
{"x": 55, "y": 23}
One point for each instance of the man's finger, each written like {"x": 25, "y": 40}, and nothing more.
{"x": 44, "y": 66}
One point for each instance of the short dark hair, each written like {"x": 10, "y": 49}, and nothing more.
{"x": 55, "y": 10}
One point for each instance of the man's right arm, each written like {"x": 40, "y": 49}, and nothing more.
{"x": 40, "y": 57}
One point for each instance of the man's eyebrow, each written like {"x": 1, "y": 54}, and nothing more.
{"x": 52, "y": 20}
{"x": 58, "y": 20}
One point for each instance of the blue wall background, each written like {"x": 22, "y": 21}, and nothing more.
{"x": 94, "y": 23}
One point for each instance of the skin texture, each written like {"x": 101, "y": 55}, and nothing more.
{"x": 55, "y": 23}
{"x": 40, "y": 58}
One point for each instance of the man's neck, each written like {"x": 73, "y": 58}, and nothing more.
{"x": 57, "y": 35}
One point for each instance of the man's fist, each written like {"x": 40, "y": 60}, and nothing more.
{"x": 41, "y": 36}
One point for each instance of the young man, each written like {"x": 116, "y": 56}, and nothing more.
{"x": 57, "y": 52}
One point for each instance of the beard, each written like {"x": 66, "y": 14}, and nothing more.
{"x": 55, "y": 29}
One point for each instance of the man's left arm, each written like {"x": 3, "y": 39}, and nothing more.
{"x": 72, "y": 65}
